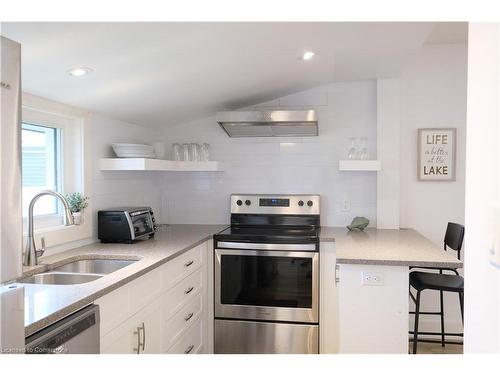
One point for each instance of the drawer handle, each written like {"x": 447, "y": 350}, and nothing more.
{"x": 188, "y": 316}
{"x": 188, "y": 263}
{"x": 189, "y": 349}
{"x": 189, "y": 290}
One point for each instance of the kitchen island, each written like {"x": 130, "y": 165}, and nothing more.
{"x": 364, "y": 279}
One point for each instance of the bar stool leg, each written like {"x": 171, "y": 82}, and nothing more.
{"x": 442, "y": 317}
{"x": 415, "y": 329}
{"x": 461, "y": 297}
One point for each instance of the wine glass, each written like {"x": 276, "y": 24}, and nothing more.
{"x": 352, "y": 148}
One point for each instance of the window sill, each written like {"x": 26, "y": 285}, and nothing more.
{"x": 62, "y": 234}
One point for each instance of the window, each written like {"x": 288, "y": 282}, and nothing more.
{"x": 55, "y": 156}
{"x": 41, "y": 167}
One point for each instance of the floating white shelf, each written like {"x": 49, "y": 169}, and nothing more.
{"x": 360, "y": 165}
{"x": 141, "y": 164}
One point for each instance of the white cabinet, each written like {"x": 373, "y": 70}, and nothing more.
{"x": 163, "y": 311}
{"x": 137, "y": 335}
{"x": 373, "y": 309}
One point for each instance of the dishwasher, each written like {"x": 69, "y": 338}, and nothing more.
{"x": 78, "y": 333}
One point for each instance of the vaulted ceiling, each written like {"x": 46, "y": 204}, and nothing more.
{"x": 161, "y": 74}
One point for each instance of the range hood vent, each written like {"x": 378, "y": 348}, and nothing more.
{"x": 269, "y": 123}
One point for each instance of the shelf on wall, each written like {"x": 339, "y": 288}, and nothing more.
{"x": 360, "y": 165}
{"x": 142, "y": 164}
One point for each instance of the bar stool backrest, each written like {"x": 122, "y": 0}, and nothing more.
{"x": 454, "y": 237}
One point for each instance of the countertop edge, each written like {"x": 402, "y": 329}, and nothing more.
{"x": 406, "y": 263}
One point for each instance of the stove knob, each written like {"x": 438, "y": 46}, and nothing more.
{"x": 239, "y": 202}
{"x": 247, "y": 202}
{"x": 301, "y": 203}
{"x": 310, "y": 203}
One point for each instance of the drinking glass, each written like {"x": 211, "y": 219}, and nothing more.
{"x": 205, "y": 152}
{"x": 185, "y": 151}
{"x": 352, "y": 149}
{"x": 193, "y": 152}
{"x": 177, "y": 151}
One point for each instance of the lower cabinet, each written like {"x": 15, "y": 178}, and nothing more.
{"x": 137, "y": 335}
{"x": 173, "y": 317}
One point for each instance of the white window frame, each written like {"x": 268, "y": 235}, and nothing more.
{"x": 76, "y": 165}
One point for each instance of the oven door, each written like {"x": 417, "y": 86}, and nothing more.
{"x": 266, "y": 285}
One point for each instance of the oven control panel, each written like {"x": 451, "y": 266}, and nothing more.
{"x": 275, "y": 204}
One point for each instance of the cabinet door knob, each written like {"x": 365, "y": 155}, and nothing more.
{"x": 189, "y": 290}
{"x": 189, "y": 349}
{"x": 188, "y": 263}
{"x": 188, "y": 316}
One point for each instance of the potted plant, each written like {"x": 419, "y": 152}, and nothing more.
{"x": 77, "y": 203}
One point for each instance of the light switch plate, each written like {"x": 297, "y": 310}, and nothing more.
{"x": 372, "y": 278}
{"x": 346, "y": 206}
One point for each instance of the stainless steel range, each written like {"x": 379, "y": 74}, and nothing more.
{"x": 267, "y": 276}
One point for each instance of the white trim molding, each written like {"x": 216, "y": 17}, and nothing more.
{"x": 77, "y": 166}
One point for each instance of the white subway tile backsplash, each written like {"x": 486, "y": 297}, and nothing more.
{"x": 281, "y": 165}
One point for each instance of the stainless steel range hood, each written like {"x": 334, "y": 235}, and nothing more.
{"x": 269, "y": 123}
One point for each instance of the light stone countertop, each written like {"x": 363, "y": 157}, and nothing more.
{"x": 404, "y": 247}
{"x": 46, "y": 304}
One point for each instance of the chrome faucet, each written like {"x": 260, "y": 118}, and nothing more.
{"x": 31, "y": 255}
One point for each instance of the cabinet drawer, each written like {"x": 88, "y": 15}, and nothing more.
{"x": 178, "y": 296}
{"x": 190, "y": 342}
{"x": 181, "y": 321}
{"x": 185, "y": 264}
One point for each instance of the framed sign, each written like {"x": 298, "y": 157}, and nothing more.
{"x": 436, "y": 154}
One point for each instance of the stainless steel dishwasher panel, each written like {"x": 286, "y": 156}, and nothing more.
{"x": 76, "y": 334}
{"x": 250, "y": 337}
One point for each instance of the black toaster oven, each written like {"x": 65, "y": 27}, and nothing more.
{"x": 125, "y": 224}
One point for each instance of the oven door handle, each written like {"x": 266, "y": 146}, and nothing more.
{"x": 266, "y": 246}
{"x": 288, "y": 254}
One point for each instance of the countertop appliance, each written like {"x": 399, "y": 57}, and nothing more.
{"x": 266, "y": 269}
{"x": 125, "y": 224}
{"x": 11, "y": 231}
{"x": 78, "y": 333}
{"x": 274, "y": 123}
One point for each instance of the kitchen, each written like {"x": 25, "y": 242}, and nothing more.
{"x": 216, "y": 223}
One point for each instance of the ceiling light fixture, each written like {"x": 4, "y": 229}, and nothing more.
{"x": 307, "y": 55}
{"x": 78, "y": 72}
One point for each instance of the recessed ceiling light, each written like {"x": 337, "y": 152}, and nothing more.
{"x": 308, "y": 55}
{"x": 78, "y": 72}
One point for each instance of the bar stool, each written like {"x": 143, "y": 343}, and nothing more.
{"x": 421, "y": 281}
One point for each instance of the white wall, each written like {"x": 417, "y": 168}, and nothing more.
{"x": 433, "y": 95}
{"x": 118, "y": 188}
{"x": 482, "y": 280}
{"x": 282, "y": 165}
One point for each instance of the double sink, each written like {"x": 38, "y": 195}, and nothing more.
{"x": 78, "y": 272}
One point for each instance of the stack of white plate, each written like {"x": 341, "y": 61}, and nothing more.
{"x": 133, "y": 150}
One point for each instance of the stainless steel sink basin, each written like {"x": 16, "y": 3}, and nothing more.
{"x": 94, "y": 266}
{"x": 78, "y": 272}
{"x": 58, "y": 278}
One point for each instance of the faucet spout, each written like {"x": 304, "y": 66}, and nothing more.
{"x": 31, "y": 255}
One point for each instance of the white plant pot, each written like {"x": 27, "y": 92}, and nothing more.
{"x": 78, "y": 218}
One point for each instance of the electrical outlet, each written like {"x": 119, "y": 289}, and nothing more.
{"x": 372, "y": 278}
{"x": 346, "y": 206}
